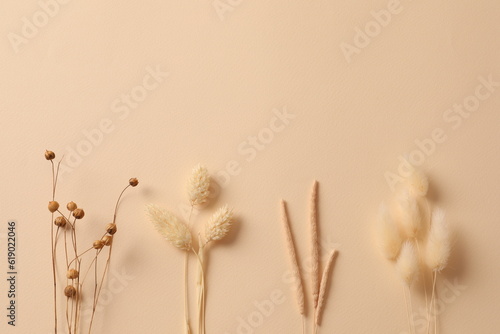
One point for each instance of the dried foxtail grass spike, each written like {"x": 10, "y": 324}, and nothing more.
{"x": 219, "y": 225}
{"x": 407, "y": 263}
{"x": 299, "y": 289}
{"x": 439, "y": 243}
{"x": 198, "y": 186}
{"x": 315, "y": 270}
{"x": 388, "y": 237}
{"x": 411, "y": 218}
{"x": 324, "y": 284}
{"x": 174, "y": 231}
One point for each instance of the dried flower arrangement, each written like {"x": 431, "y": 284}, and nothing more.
{"x": 179, "y": 234}
{"x": 401, "y": 236}
{"x": 319, "y": 281}
{"x": 61, "y": 226}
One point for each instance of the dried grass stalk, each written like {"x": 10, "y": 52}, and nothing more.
{"x": 299, "y": 289}
{"x": 324, "y": 284}
{"x": 198, "y": 185}
{"x": 219, "y": 225}
{"x": 174, "y": 231}
{"x": 315, "y": 272}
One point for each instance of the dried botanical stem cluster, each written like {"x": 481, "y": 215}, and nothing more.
{"x": 319, "y": 281}
{"x": 180, "y": 234}
{"x": 415, "y": 241}
{"x": 75, "y": 271}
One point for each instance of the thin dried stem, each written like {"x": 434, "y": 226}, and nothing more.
{"x": 407, "y": 310}
{"x": 53, "y": 248}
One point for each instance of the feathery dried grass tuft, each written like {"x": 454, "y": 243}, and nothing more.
{"x": 388, "y": 237}
{"x": 418, "y": 183}
{"x": 439, "y": 244}
{"x": 219, "y": 225}
{"x": 410, "y": 215}
{"x": 174, "y": 231}
{"x": 314, "y": 243}
{"x": 407, "y": 263}
{"x": 198, "y": 185}
{"x": 322, "y": 290}
{"x": 299, "y": 289}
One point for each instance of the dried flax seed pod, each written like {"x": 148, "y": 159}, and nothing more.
{"x": 53, "y": 206}
{"x": 60, "y": 221}
{"x": 78, "y": 213}
{"x": 111, "y": 228}
{"x": 107, "y": 240}
{"x": 69, "y": 291}
{"x": 72, "y": 274}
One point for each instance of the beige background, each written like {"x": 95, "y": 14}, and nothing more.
{"x": 226, "y": 76}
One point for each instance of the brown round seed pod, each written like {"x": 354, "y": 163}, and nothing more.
{"x": 53, "y": 206}
{"x": 107, "y": 240}
{"x": 49, "y": 155}
{"x": 69, "y": 291}
{"x": 133, "y": 182}
{"x": 60, "y": 221}
{"x": 98, "y": 244}
{"x": 72, "y": 274}
{"x": 71, "y": 206}
{"x": 78, "y": 213}
{"x": 111, "y": 228}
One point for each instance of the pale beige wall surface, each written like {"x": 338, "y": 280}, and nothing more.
{"x": 228, "y": 75}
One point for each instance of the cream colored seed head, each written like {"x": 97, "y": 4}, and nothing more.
{"x": 198, "y": 185}
{"x": 60, "y": 221}
{"x": 53, "y": 206}
{"x": 78, "y": 213}
{"x": 72, "y": 274}
{"x": 220, "y": 224}
{"x": 98, "y": 244}
{"x": 71, "y": 206}
{"x": 111, "y": 228}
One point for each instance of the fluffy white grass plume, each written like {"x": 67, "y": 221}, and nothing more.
{"x": 314, "y": 243}
{"x": 407, "y": 263}
{"x": 299, "y": 289}
{"x": 322, "y": 290}
{"x": 198, "y": 185}
{"x": 439, "y": 243}
{"x": 389, "y": 239}
{"x": 174, "y": 231}
{"x": 410, "y": 216}
{"x": 418, "y": 183}
{"x": 219, "y": 225}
